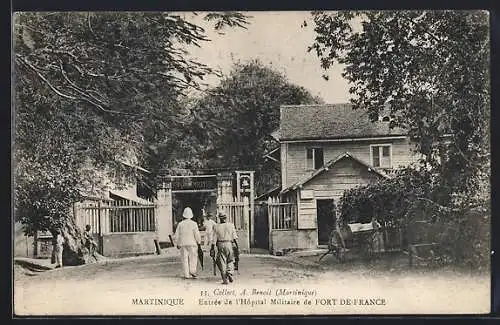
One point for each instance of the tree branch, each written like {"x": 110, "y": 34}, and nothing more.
{"x": 54, "y": 89}
{"x": 448, "y": 209}
{"x": 439, "y": 206}
{"x": 21, "y": 59}
{"x": 78, "y": 89}
{"x": 90, "y": 25}
{"x": 73, "y": 56}
{"x": 101, "y": 75}
{"x": 421, "y": 28}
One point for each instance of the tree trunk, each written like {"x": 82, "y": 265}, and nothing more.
{"x": 75, "y": 252}
{"x": 53, "y": 255}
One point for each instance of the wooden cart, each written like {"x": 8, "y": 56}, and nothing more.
{"x": 358, "y": 238}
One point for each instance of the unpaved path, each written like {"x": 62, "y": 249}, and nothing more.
{"x": 110, "y": 289}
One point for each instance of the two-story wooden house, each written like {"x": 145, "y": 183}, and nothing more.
{"x": 324, "y": 150}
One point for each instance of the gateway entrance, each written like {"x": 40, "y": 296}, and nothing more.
{"x": 232, "y": 193}
{"x": 197, "y": 192}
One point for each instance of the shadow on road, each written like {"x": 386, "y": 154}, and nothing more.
{"x": 32, "y": 266}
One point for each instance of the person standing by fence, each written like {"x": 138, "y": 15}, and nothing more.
{"x": 90, "y": 244}
{"x": 224, "y": 237}
{"x": 187, "y": 238}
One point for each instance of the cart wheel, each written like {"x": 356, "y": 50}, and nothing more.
{"x": 341, "y": 254}
{"x": 336, "y": 243}
{"x": 369, "y": 251}
{"x": 324, "y": 254}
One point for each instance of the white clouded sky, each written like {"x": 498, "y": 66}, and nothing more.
{"x": 277, "y": 39}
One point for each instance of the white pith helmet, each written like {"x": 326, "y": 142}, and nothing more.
{"x": 188, "y": 213}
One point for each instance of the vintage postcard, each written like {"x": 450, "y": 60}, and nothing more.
{"x": 251, "y": 163}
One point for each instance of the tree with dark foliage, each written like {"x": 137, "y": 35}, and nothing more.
{"x": 431, "y": 68}
{"x": 236, "y": 119}
{"x": 90, "y": 90}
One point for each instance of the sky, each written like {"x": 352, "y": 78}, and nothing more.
{"x": 277, "y": 40}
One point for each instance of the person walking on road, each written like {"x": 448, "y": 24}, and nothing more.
{"x": 209, "y": 225}
{"x": 224, "y": 237}
{"x": 187, "y": 238}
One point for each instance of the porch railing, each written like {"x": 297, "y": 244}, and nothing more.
{"x": 282, "y": 216}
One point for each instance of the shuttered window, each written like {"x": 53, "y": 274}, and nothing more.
{"x": 381, "y": 156}
{"x": 314, "y": 158}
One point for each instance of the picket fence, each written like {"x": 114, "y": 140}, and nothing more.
{"x": 237, "y": 211}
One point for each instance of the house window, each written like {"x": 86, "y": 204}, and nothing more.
{"x": 314, "y": 158}
{"x": 381, "y": 156}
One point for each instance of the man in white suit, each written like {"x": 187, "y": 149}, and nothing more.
{"x": 187, "y": 239}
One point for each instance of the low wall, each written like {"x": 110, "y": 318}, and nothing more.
{"x": 307, "y": 238}
{"x": 293, "y": 239}
{"x": 124, "y": 244}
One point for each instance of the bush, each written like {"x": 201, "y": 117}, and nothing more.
{"x": 388, "y": 201}
{"x": 459, "y": 225}
{"x": 465, "y": 239}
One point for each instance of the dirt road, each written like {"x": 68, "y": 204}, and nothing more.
{"x": 153, "y": 285}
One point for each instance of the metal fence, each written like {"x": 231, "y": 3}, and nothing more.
{"x": 117, "y": 216}
{"x": 125, "y": 217}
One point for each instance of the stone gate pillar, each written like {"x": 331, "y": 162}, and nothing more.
{"x": 245, "y": 190}
{"x": 164, "y": 220}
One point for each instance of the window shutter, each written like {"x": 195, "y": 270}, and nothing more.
{"x": 318, "y": 158}
{"x": 375, "y": 157}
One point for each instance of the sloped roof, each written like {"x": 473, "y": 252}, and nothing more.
{"x": 329, "y": 165}
{"x": 126, "y": 163}
{"x": 128, "y": 196}
{"x": 272, "y": 192}
{"x": 330, "y": 121}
